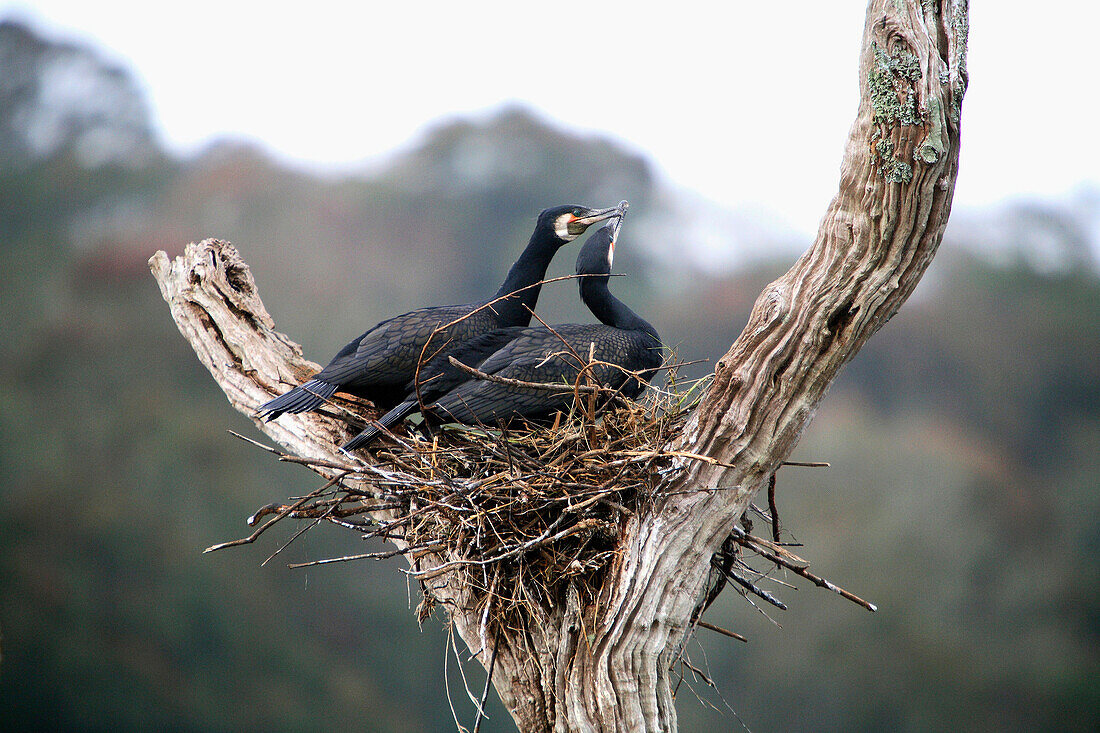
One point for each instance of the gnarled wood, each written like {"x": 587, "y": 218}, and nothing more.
{"x": 607, "y": 667}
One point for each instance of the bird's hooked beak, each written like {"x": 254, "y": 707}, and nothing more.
{"x": 613, "y": 228}
{"x": 580, "y": 224}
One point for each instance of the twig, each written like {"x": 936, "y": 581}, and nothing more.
{"x": 298, "y": 534}
{"x": 720, "y": 630}
{"x": 563, "y": 387}
{"x": 751, "y": 587}
{"x": 263, "y": 527}
{"x": 800, "y": 570}
{"x": 488, "y": 681}
{"x": 368, "y": 556}
{"x": 288, "y": 458}
{"x": 771, "y": 508}
{"x": 447, "y": 677}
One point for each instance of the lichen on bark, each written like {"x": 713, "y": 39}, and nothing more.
{"x": 890, "y": 86}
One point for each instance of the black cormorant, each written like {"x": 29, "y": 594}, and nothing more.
{"x": 625, "y": 342}
{"x": 380, "y": 364}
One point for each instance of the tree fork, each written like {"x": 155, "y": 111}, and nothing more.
{"x": 608, "y": 666}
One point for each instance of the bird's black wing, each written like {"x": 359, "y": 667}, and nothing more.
{"x": 388, "y": 353}
{"x": 536, "y": 355}
{"x": 436, "y": 377}
{"x": 539, "y": 355}
{"x": 378, "y": 364}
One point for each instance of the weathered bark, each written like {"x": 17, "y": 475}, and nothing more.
{"x": 607, "y": 667}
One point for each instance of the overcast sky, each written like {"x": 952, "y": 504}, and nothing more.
{"x": 746, "y": 103}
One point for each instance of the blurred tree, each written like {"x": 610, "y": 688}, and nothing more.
{"x": 57, "y": 97}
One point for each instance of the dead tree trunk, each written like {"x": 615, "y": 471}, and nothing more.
{"x": 608, "y": 667}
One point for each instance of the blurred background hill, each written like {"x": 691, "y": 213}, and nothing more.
{"x": 964, "y": 439}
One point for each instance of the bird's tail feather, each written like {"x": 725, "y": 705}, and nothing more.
{"x": 307, "y": 397}
{"x": 387, "y": 421}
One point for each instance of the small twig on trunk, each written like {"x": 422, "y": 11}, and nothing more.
{"x": 757, "y": 547}
{"x": 288, "y": 458}
{"x": 751, "y": 587}
{"x": 771, "y": 508}
{"x": 720, "y": 630}
{"x": 488, "y": 681}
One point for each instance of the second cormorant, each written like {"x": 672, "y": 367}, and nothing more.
{"x": 626, "y": 345}
{"x": 380, "y": 364}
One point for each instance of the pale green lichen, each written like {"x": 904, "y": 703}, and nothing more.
{"x": 934, "y": 145}
{"x": 961, "y": 21}
{"x": 960, "y": 26}
{"x": 892, "y": 98}
{"x": 892, "y": 169}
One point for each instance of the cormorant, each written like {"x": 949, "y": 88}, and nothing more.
{"x": 380, "y": 364}
{"x": 623, "y": 340}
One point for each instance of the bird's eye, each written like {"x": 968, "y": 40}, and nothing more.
{"x": 578, "y": 213}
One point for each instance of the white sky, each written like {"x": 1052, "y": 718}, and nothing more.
{"x": 747, "y": 103}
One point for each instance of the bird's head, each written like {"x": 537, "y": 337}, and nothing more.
{"x": 598, "y": 252}
{"x": 566, "y": 223}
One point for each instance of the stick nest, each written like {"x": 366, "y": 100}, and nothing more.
{"x": 515, "y": 515}
{"x": 520, "y": 513}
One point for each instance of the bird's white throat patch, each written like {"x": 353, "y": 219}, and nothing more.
{"x": 561, "y": 227}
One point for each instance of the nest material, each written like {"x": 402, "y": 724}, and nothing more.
{"x": 519, "y": 514}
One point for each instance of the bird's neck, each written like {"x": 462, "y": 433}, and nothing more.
{"x": 609, "y": 309}
{"x": 523, "y": 283}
